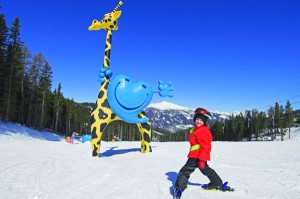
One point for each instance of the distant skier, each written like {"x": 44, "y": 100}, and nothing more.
{"x": 71, "y": 139}
{"x": 200, "y": 139}
{"x": 73, "y": 135}
{"x": 116, "y": 139}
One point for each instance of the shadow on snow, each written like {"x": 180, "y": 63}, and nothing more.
{"x": 110, "y": 152}
{"x": 172, "y": 176}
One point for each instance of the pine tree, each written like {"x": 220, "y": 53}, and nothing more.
{"x": 277, "y": 117}
{"x": 240, "y": 126}
{"x": 281, "y": 124}
{"x": 289, "y": 115}
{"x": 271, "y": 115}
{"x": 45, "y": 82}
{"x": 34, "y": 74}
{"x": 57, "y": 106}
{"x": 217, "y": 130}
{"x": 254, "y": 123}
{"x": 262, "y": 122}
{"x": 25, "y": 86}
{"x": 14, "y": 64}
{"x": 3, "y": 55}
{"x": 247, "y": 124}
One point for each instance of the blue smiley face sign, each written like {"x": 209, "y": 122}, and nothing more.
{"x": 127, "y": 99}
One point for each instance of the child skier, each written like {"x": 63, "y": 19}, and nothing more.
{"x": 200, "y": 139}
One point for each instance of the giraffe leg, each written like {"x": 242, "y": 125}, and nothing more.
{"x": 96, "y": 130}
{"x": 96, "y": 138}
{"x": 145, "y": 130}
{"x": 100, "y": 118}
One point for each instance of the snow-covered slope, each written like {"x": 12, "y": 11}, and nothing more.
{"x": 36, "y": 164}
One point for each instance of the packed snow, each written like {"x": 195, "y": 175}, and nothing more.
{"x": 42, "y": 165}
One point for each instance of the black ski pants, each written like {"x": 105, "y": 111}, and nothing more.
{"x": 189, "y": 168}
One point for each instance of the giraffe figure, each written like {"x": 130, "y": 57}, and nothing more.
{"x": 103, "y": 115}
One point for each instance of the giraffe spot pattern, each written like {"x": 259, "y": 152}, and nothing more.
{"x": 146, "y": 126}
{"x": 113, "y": 116}
{"x": 102, "y": 114}
{"x": 106, "y": 85}
{"x": 105, "y": 104}
{"x": 146, "y": 137}
{"x": 102, "y": 127}
{"x": 95, "y": 151}
{"x": 93, "y": 120}
{"x": 94, "y": 133}
{"x": 101, "y": 94}
{"x": 107, "y": 61}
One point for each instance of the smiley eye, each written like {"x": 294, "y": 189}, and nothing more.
{"x": 144, "y": 86}
{"x": 127, "y": 80}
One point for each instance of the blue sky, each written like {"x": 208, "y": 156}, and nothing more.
{"x": 222, "y": 55}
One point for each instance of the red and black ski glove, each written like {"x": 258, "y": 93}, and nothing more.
{"x": 201, "y": 164}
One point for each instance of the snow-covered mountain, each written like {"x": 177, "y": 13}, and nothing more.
{"x": 173, "y": 117}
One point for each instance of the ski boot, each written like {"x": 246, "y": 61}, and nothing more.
{"x": 177, "y": 193}
{"x": 211, "y": 186}
{"x": 226, "y": 188}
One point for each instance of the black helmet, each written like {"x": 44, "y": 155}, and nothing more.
{"x": 204, "y": 115}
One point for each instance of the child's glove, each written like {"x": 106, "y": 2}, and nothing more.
{"x": 201, "y": 164}
{"x": 104, "y": 72}
{"x": 164, "y": 90}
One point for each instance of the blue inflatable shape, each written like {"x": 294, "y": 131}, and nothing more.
{"x": 127, "y": 99}
{"x": 86, "y": 138}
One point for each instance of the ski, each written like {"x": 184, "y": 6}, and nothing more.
{"x": 177, "y": 192}
{"x": 223, "y": 188}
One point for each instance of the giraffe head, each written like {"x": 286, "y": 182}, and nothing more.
{"x": 110, "y": 20}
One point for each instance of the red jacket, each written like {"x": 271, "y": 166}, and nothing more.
{"x": 200, "y": 137}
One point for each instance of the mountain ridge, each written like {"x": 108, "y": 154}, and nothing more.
{"x": 172, "y": 117}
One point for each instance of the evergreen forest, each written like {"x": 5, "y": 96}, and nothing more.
{"x": 25, "y": 89}
{"x": 251, "y": 125}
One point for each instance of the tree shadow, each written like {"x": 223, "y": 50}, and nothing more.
{"x": 111, "y": 152}
{"x": 9, "y": 129}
